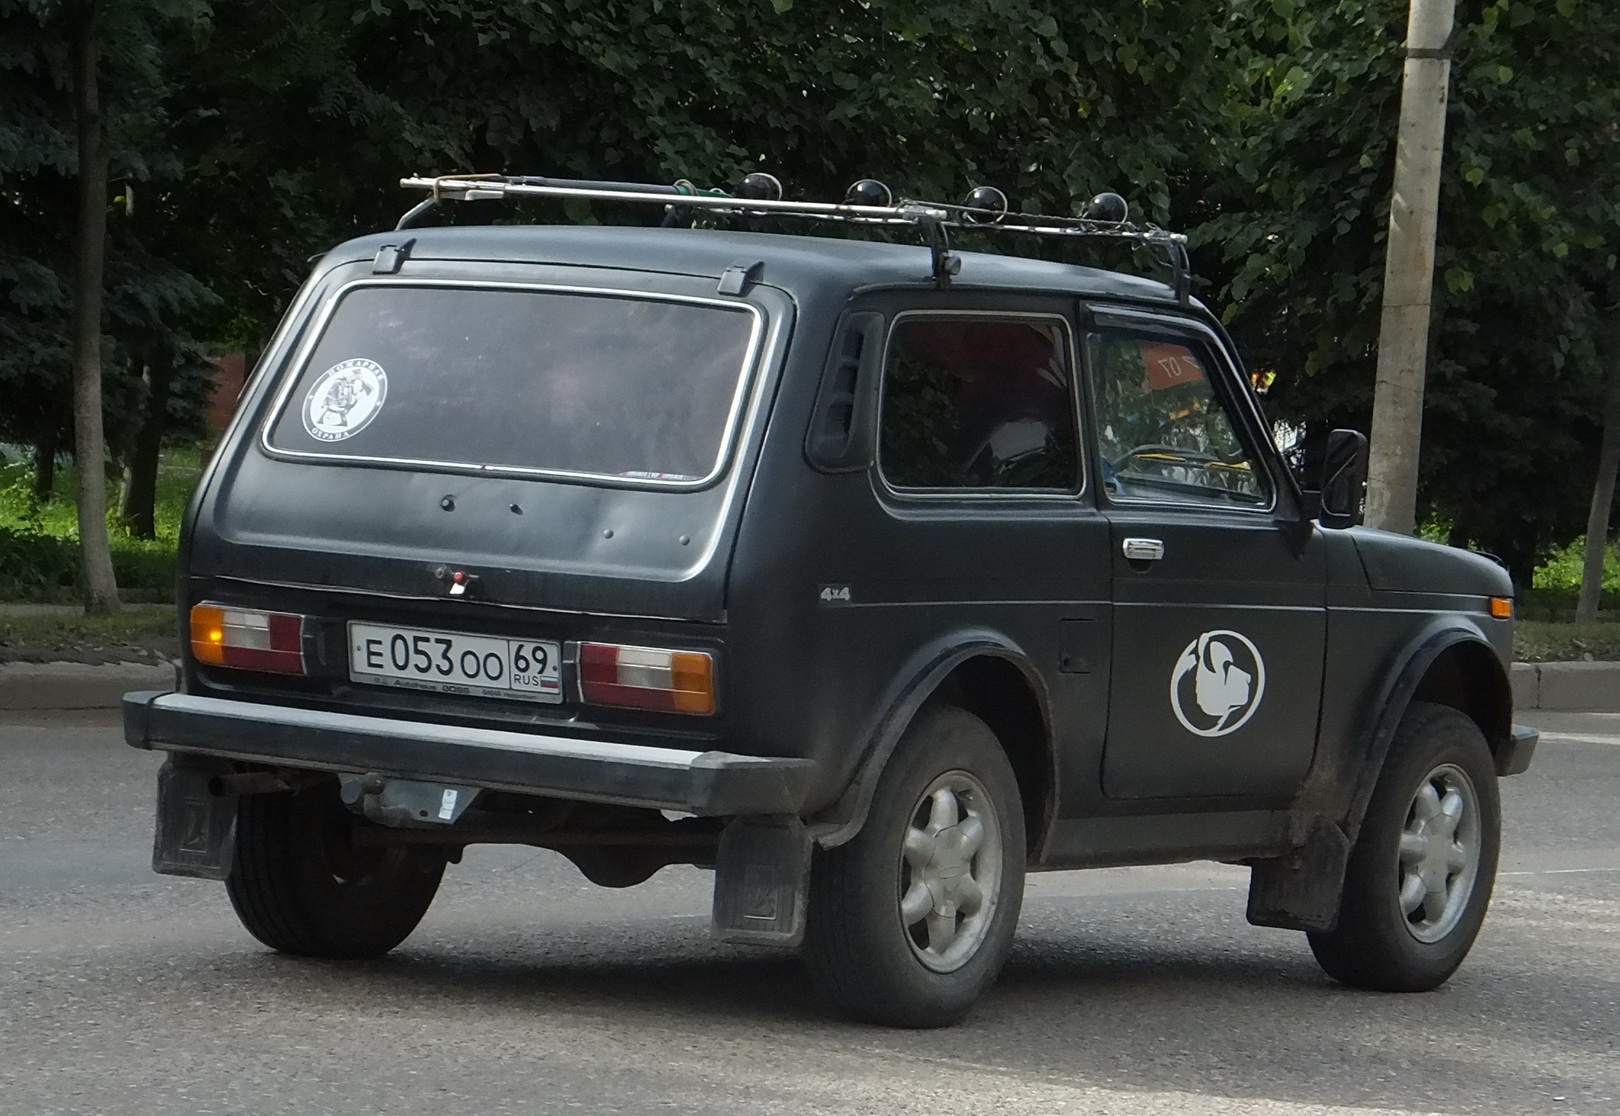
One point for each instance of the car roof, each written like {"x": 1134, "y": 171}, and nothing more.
{"x": 792, "y": 262}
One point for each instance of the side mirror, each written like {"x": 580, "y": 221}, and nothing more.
{"x": 1344, "y": 477}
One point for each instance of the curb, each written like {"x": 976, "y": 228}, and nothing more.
{"x": 36, "y": 687}
{"x": 1561, "y": 687}
{"x": 1567, "y": 687}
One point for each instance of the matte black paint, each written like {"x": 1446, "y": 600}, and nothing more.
{"x": 835, "y": 606}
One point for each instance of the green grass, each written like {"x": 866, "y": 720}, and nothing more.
{"x": 1558, "y": 580}
{"x": 39, "y": 557}
{"x": 1543, "y": 642}
{"x": 135, "y": 625}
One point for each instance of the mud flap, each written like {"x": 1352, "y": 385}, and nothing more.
{"x": 1301, "y": 891}
{"x": 196, "y": 828}
{"x": 762, "y": 881}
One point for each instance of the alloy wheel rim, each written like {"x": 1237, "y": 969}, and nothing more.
{"x": 950, "y": 872}
{"x": 1438, "y": 857}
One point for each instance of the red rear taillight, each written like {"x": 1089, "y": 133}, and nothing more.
{"x": 647, "y": 678}
{"x": 247, "y": 638}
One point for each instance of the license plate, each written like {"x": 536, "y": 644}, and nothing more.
{"x": 455, "y": 663}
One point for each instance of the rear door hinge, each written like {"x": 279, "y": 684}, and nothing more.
{"x": 390, "y": 257}
{"x": 736, "y": 278}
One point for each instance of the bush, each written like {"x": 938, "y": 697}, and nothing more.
{"x": 1558, "y": 579}
{"x": 39, "y": 549}
{"x": 36, "y": 566}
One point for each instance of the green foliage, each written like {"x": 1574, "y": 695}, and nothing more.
{"x": 1530, "y": 226}
{"x": 36, "y": 566}
{"x": 151, "y": 301}
{"x": 318, "y": 107}
{"x": 39, "y": 554}
{"x": 1562, "y": 569}
{"x": 248, "y": 137}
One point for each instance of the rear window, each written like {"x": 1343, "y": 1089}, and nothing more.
{"x": 541, "y": 381}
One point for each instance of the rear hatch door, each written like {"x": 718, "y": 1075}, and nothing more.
{"x": 564, "y": 438}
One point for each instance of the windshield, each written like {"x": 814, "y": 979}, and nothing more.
{"x": 634, "y": 387}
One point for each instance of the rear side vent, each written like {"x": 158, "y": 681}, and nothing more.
{"x": 840, "y": 432}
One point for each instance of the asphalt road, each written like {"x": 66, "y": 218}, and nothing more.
{"x": 527, "y": 990}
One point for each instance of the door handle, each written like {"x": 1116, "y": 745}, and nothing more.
{"x": 1143, "y": 550}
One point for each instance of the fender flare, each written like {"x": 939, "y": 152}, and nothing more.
{"x": 1397, "y": 697}
{"x": 913, "y": 685}
{"x": 1302, "y": 891}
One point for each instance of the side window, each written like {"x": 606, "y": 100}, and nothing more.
{"x": 1163, "y": 430}
{"x": 978, "y": 402}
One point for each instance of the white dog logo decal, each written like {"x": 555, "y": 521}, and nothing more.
{"x": 1217, "y": 683}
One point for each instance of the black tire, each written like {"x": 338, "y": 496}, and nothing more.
{"x": 857, "y": 942}
{"x": 1376, "y": 945}
{"x": 300, "y": 886}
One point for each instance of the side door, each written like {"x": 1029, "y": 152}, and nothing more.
{"x": 988, "y": 522}
{"x": 1219, "y": 583}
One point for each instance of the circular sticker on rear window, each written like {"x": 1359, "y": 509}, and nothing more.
{"x": 344, "y": 399}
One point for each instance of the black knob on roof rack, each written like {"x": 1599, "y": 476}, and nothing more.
{"x": 985, "y": 205}
{"x": 1108, "y": 208}
{"x": 760, "y": 186}
{"x": 869, "y": 191}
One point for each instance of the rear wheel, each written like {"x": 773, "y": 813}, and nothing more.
{"x": 300, "y": 885}
{"x": 911, "y": 920}
{"x": 1420, "y": 876}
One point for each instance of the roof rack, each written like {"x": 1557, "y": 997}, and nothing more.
{"x": 868, "y": 202}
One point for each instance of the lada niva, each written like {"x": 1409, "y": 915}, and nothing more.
{"x": 871, "y": 575}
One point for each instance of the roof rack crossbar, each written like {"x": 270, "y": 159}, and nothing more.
{"x": 932, "y": 218}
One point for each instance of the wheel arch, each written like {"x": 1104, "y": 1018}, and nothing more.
{"x": 992, "y": 678}
{"x": 1455, "y": 667}
{"x": 1450, "y": 663}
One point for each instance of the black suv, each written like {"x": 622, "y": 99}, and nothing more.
{"x": 870, "y": 575}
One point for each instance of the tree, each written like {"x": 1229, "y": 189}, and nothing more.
{"x": 1528, "y": 235}
{"x": 89, "y": 444}
{"x": 297, "y": 119}
{"x": 1597, "y": 523}
{"x": 88, "y": 83}
{"x": 261, "y": 134}
{"x": 37, "y": 158}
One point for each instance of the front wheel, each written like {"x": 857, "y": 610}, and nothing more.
{"x": 300, "y": 885}
{"x": 911, "y": 920}
{"x": 1421, "y": 873}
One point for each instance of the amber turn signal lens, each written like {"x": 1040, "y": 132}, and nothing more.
{"x": 692, "y": 680}
{"x": 1502, "y": 608}
{"x": 208, "y": 634}
{"x": 247, "y": 638}
{"x": 647, "y": 678}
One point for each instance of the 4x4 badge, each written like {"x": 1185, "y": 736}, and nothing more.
{"x": 1217, "y": 683}
{"x": 344, "y": 399}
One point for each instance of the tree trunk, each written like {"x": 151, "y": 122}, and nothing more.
{"x": 45, "y": 468}
{"x": 1403, "y": 338}
{"x": 138, "y": 508}
{"x": 1597, "y": 522}
{"x": 90, "y": 449}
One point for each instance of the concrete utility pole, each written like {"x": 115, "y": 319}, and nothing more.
{"x": 1403, "y": 337}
